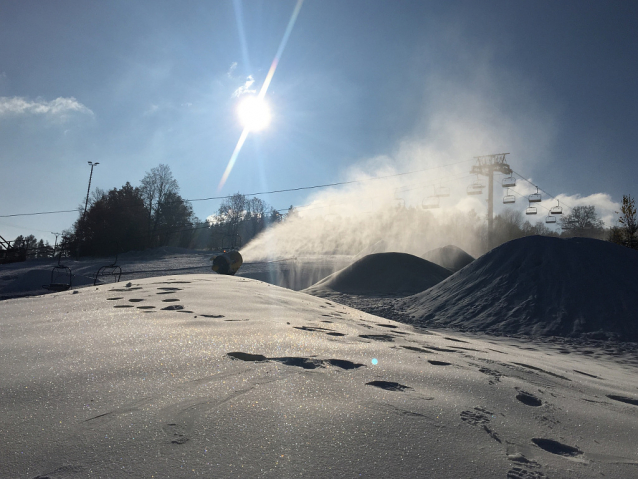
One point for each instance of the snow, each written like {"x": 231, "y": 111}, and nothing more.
{"x": 538, "y": 286}
{"x": 383, "y": 274}
{"x": 450, "y": 257}
{"x": 218, "y": 376}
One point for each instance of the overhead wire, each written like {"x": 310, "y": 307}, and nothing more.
{"x": 261, "y": 193}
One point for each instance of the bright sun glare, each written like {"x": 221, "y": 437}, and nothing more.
{"x": 254, "y": 113}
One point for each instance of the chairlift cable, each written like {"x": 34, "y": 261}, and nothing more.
{"x": 541, "y": 189}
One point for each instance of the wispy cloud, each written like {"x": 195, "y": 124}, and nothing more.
{"x": 231, "y": 70}
{"x": 58, "y": 108}
{"x": 245, "y": 88}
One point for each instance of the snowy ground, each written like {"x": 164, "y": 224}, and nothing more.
{"x": 173, "y": 374}
{"x": 27, "y": 278}
{"x": 217, "y": 376}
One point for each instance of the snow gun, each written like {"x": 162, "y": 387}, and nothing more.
{"x": 227, "y": 262}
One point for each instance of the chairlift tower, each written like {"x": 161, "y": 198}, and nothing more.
{"x": 486, "y": 166}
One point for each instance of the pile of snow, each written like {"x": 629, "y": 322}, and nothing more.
{"x": 539, "y": 286}
{"x": 383, "y": 274}
{"x": 450, "y": 257}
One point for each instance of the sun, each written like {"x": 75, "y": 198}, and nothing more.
{"x": 254, "y": 113}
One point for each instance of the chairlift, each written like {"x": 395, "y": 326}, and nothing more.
{"x": 109, "y": 270}
{"x": 550, "y": 219}
{"x": 508, "y": 182}
{"x": 442, "y": 191}
{"x": 509, "y": 199}
{"x": 556, "y": 210}
{"x": 474, "y": 190}
{"x": 535, "y": 197}
{"x": 431, "y": 202}
{"x": 61, "y": 277}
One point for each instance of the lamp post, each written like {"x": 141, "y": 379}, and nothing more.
{"x": 56, "y": 242}
{"x": 86, "y": 203}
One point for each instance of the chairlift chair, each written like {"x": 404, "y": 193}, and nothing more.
{"x": 535, "y": 197}
{"x": 112, "y": 269}
{"x": 550, "y": 219}
{"x": 476, "y": 188}
{"x": 556, "y": 210}
{"x": 509, "y": 199}
{"x": 431, "y": 202}
{"x": 442, "y": 191}
{"x": 508, "y": 182}
{"x": 531, "y": 210}
{"x": 61, "y": 277}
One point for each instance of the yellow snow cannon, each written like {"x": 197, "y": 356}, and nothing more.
{"x": 227, "y": 262}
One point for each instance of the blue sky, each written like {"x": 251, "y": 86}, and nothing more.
{"x": 362, "y": 87}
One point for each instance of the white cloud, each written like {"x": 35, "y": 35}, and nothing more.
{"x": 605, "y": 207}
{"x": 59, "y": 108}
{"x": 231, "y": 70}
{"x": 245, "y": 88}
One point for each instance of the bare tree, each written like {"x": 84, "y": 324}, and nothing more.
{"x": 232, "y": 212}
{"x": 155, "y": 187}
{"x": 628, "y": 221}
{"x": 582, "y": 221}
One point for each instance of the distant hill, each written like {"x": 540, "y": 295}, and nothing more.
{"x": 450, "y": 257}
{"x": 538, "y": 286}
{"x": 383, "y": 274}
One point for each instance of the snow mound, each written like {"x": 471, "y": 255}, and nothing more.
{"x": 383, "y": 274}
{"x": 539, "y": 286}
{"x": 450, "y": 257}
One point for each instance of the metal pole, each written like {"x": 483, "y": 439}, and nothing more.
{"x": 490, "y": 208}
{"x": 86, "y": 203}
{"x": 55, "y": 246}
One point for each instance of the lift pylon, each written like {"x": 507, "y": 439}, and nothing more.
{"x": 486, "y": 166}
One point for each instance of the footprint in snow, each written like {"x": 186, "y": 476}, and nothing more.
{"x": 528, "y": 399}
{"x": 520, "y": 473}
{"x": 624, "y": 399}
{"x": 438, "y": 363}
{"x": 388, "y": 385}
{"x": 556, "y": 447}
{"x": 480, "y": 417}
{"x": 301, "y": 362}
{"x": 378, "y": 337}
{"x": 174, "y": 307}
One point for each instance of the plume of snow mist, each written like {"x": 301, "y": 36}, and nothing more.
{"x": 485, "y": 115}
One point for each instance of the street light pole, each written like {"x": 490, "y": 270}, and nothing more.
{"x": 86, "y": 203}
{"x": 56, "y": 241}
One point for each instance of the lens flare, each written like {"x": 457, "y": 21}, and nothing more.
{"x": 254, "y": 113}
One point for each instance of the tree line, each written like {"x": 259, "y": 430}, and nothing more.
{"x": 154, "y": 214}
